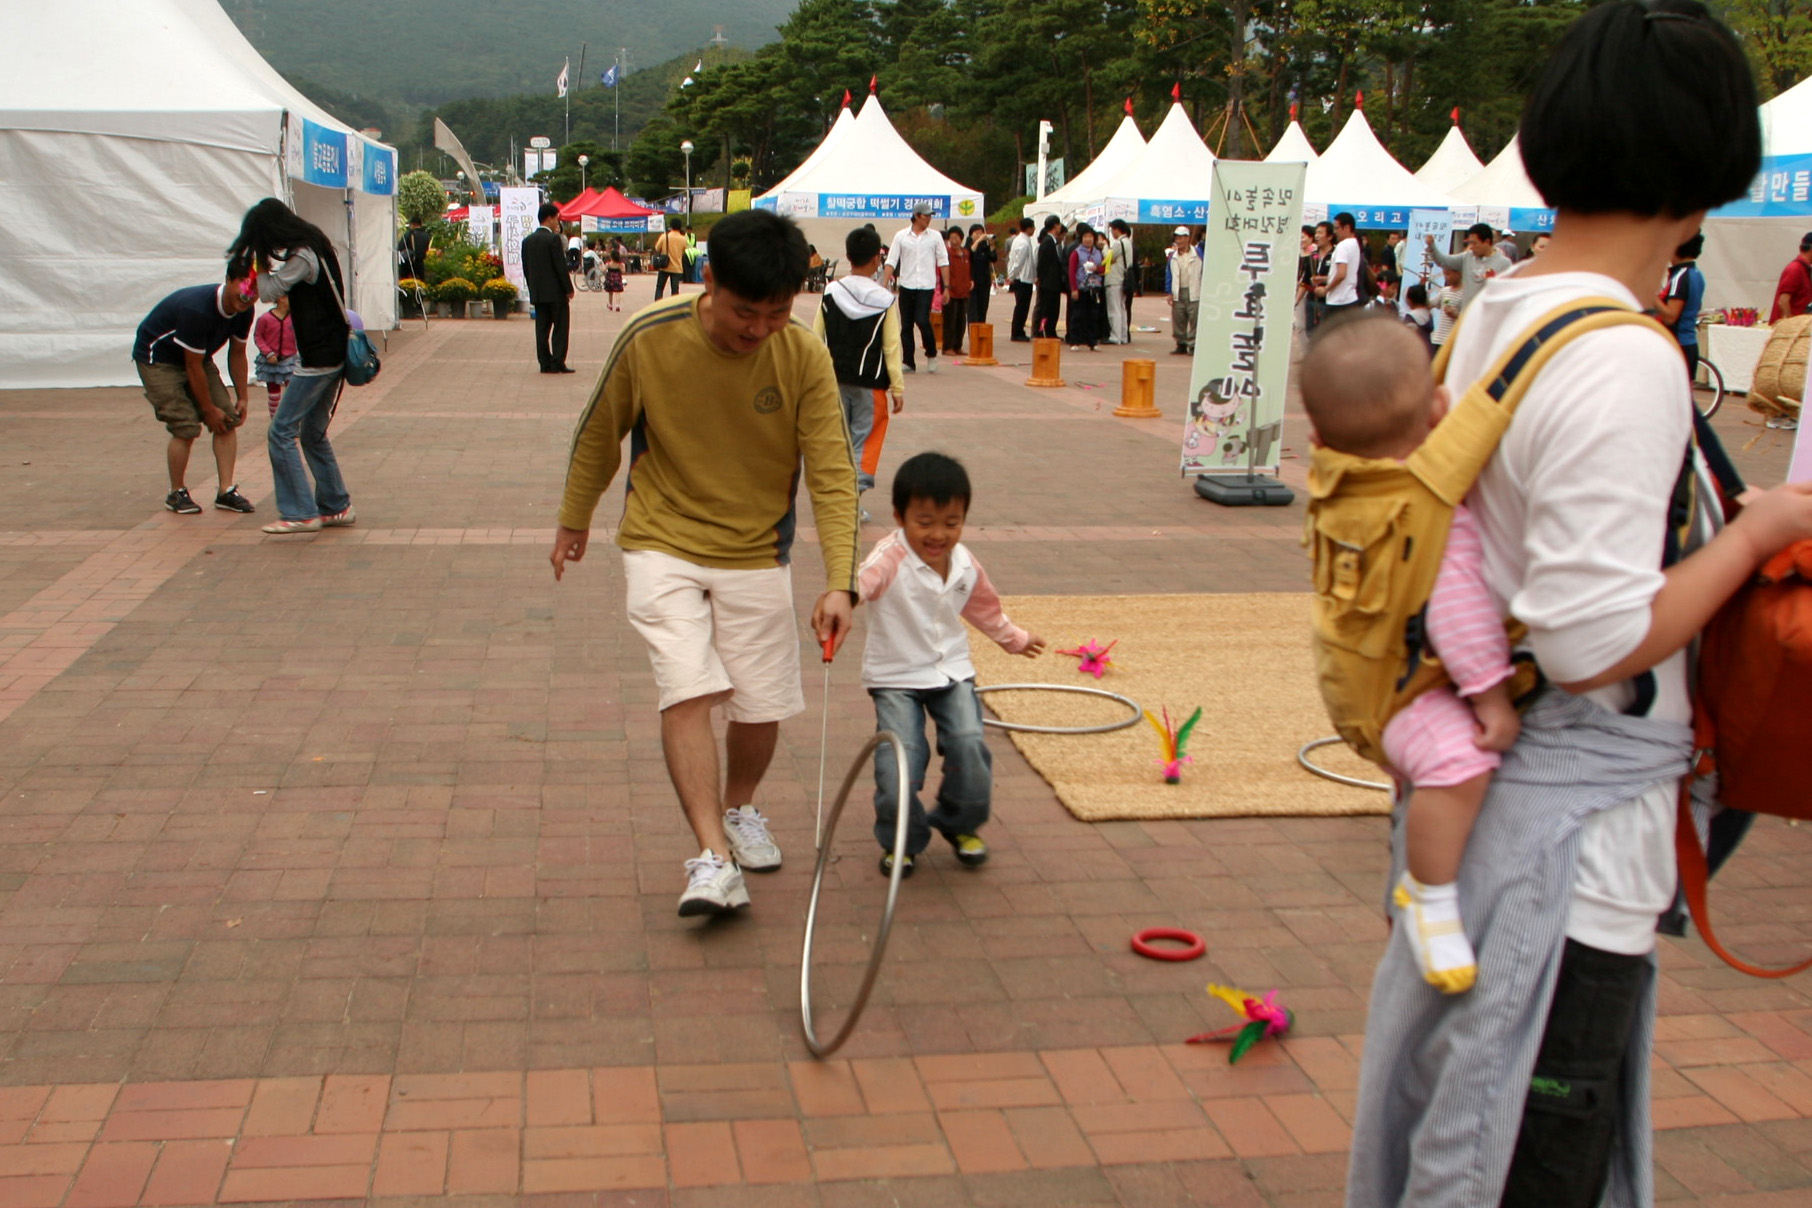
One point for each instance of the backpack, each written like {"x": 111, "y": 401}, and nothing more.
{"x": 857, "y": 351}
{"x": 1376, "y": 530}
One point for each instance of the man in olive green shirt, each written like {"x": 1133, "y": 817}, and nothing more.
{"x": 722, "y": 395}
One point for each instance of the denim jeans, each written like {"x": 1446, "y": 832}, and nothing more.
{"x": 963, "y": 797}
{"x": 301, "y": 420}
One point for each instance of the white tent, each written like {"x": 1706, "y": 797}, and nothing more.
{"x": 1170, "y": 181}
{"x": 1748, "y": 242}
{"x": 869, "y": 172}
{"x": 1293, "y": 147}
{"x": 1453, "y": 163}
{"x": 1357, "y": 175}
{"x": 846, "y": 119}
{"x": 1121, "y": 150}
{"x": 1504, "y": 195}
{"x": 158, "y": 117}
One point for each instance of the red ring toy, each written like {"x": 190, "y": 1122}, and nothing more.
{"x": 1142, "y": 944}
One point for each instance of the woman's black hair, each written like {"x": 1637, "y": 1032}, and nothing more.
{"x": 1645, "y": 107}
{"x": 759, "y": 256}
{"x": 932, "y": 476}
{"x": 270, "y": 232}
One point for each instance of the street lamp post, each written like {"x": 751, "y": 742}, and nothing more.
{"x": 686, "y": 147}
{"x": 583, "y": 160}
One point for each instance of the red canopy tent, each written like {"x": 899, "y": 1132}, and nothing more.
{"x": 611, "y": 211}
{"x": 571, "y": 210}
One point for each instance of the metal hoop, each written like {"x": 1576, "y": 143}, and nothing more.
{"x": 1018, "y": 727}
{"x": 893, "y": 892}
{"x": 1302, "y": 757}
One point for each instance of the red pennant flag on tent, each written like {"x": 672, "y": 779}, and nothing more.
{"x": 1358, "y": 100}
{"x": 1176, "y": 91}
{"x": 1128, "y": 106}
{"x": 1292, "y": 112}
{"x": 1456, "y": 115}
{"x": 872, "y": 80}
{"x": 846, "y": 98}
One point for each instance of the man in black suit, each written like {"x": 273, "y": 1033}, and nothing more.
{"x": 1053, "y": 276}
{"x": 550, "y": 289}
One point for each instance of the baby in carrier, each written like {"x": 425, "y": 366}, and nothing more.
{"x": 1367, "y": 388}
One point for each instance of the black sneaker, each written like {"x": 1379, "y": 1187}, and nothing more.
{"x": 887, "y": 866}
{"x": 178, "y": 501}
{"x": 230, "y": 500}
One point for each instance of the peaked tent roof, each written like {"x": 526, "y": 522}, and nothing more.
{"x": 1787, "y": 121}
{"x": 1175, "y": 166}
{"x": 869, "y": 162}
{"x": 609, "y": 204}
{"x": 1453, "y": 163}
{"x": 572, "y": 209}
{"x": 1293, "y": 147}
{"x": 846, "y": 117}
{"x": 1121, "y": 150}
{"x": 1356, "y": 172}
{"x": 1502, "y": 183}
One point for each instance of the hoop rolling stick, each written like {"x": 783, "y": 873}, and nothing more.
{"x": 826, "y": 1048}
{"x": 830, "y": 652}
{"x": 1023, "y": 728}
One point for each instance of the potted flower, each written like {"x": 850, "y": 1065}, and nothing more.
{"x": 500, "y": 294}
{"x": 453, "y": 294}
{"x": 411, "y": 293}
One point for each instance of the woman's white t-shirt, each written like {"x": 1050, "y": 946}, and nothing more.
{"x": 1572, "y": 510}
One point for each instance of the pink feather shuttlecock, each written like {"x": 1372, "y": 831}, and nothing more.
{"x": 1174, "y": 738}
{"x": 1264, "y": 1018}
{"x": 1092, "y": 656}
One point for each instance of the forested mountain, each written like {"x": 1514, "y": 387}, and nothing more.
{"x": 404, "y": 54}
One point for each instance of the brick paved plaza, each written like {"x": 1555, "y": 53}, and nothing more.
{"x": 343, "y": 867}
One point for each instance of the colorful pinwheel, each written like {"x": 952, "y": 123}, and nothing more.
{"x": 1093, "y": 656}
{"x": 1174, "y": 738}
{"x": 1264, "y": 1017}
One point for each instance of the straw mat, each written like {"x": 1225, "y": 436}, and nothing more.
{"x": 1244, "y": 658}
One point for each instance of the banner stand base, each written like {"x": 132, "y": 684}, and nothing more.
{"x": 1243, "y": 490}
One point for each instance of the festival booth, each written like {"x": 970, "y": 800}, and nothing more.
{"x": 1505, "y": 198}
{"x": 1357, "y": 175}
{"x": 157, "y": 113}
{"x": 1293, "y": 145}
{"x": 1079, "y": 191}
{"x": 610, "y": 212}
{"x": 1169, "y": 183}
{"x": 1748, "y": 242}
{"x": 1453, "y": 162}
{"x": 571, "y": 210}
{"x": 846, "y": 119}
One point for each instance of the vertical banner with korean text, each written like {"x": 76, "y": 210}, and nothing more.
{"x": 480, "y": 228}
{"x": 1243, "y": 319}
{"x": 1420, "y": 268}
{"x": 516, "y": 219}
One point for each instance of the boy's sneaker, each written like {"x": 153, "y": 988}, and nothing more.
{"x": 970, "y": 850}
{"x": 230, "y": 500}
{"x": 887, "y": 866}
{"x": 178, "y": 501}
{"x": 715, "y": 886}
{"x": 751, "y": 846}
{"x": 340, "y": 519}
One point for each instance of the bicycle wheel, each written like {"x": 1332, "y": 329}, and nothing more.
{"x": 1708, "y": 381}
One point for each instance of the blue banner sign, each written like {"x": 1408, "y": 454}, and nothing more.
{"x": 323, "y": 156}
{"x": 868, "y": 205}
{"x": 380, "y": 170}
{"x": 1195, "y": 212}
{"x": 1783, "y": 189}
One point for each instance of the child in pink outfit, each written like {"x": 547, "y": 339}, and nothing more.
{"x": 1367, "y": 388}
{"x": 275, "y": 336}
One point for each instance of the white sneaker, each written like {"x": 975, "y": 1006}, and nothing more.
{"x": 751, "y": 845}
{"x": 715, "y": 886}
{"x": 930, "y": 364}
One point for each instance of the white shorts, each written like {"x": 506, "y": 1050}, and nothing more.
{"x": 710, "y": 631}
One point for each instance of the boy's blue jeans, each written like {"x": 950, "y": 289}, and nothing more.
{"x": 963, "y": 797}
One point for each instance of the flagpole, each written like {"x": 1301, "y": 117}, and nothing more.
{"x": 616, "y": 133}
{"x": 566, "y": 91}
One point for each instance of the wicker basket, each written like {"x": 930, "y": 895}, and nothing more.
{"x": 1779, "y": 385}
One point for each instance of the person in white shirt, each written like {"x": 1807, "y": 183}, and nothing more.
{"x": 1022, "y": 275}
{"x": 1342, "y": 289}
{"x": 1185, "y": 290}
{"x": 920, "y": 584}
{"x": 1120, "y": 284}
{"x": 918, "y": 262}
{"x": 1532, "y": 1089}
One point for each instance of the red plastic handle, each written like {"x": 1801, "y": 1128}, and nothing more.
{"x": 830, "y": 649}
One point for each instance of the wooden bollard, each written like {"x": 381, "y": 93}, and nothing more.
{"x": 1046, "y": 363}
{"x": 1138, "y": 380}
{"x": 981, "y": 345}
{"x": 937, "y": 328}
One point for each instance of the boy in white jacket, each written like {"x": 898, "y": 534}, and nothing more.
{"x": 920, "y": 584}
{"x": 860, "y": 324}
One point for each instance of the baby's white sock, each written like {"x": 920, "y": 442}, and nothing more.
{"x": 1430, "y": 916}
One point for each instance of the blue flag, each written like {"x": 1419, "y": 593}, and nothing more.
{"x": 609, "y": 78}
